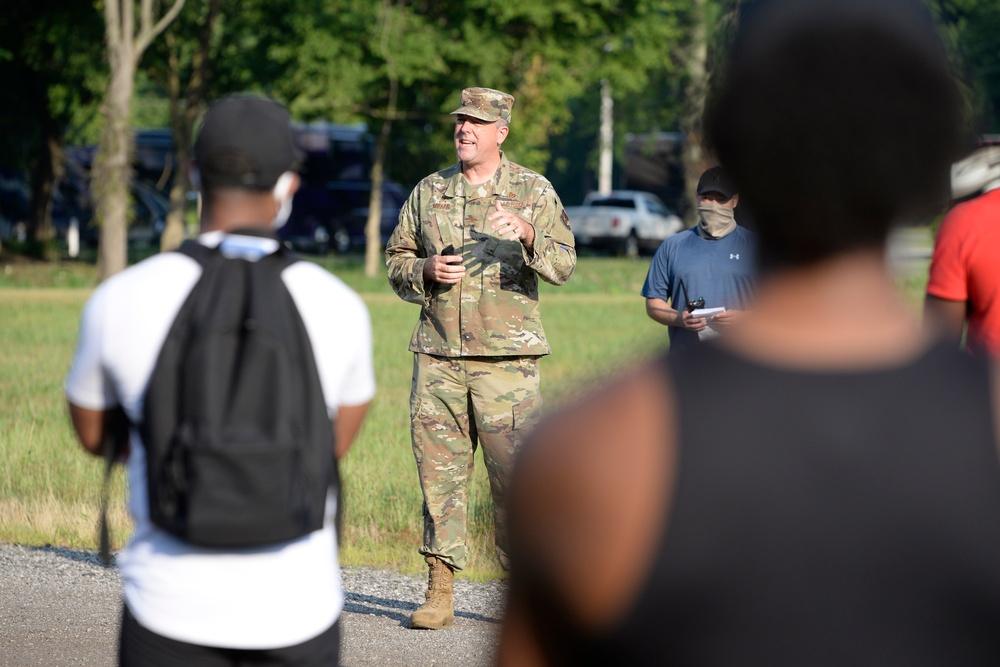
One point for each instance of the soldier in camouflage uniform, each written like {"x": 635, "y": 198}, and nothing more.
{"x": 471, "y": 243}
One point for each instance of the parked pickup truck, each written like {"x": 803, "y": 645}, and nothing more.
{"x": 626, "y": 221}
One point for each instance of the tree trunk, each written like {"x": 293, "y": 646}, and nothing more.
{"x": 185, "y": 107}
{"x": 693, "y": 157}
{"x": 174, "y": 231}
{"x": 46, "y": 169}
{"x": 47, "y": 173}
{"x": 604, "y": 184}
{"x": 113, "y": 170}
{"x": 373, "y": 228}
{"x": 112, "y": 175}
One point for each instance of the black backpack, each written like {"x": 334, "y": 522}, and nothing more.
{"x": 239, "y": 443}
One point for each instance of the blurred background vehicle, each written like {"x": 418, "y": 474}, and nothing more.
{"x": 627, "y": 222}
{"x": 14, "y": 198}
{"x": 73, "y": 199}
{"x": 978, "y": 172}
{"x": 330, "y": 210}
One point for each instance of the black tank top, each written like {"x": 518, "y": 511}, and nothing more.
{"x": 820, "y": 519}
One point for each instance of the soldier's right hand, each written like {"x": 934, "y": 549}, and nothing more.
{"x": 447, "y": 269}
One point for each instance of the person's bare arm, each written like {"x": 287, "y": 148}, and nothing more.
{"x": 94, "y": 427}
{"x": 947, "y": 317}
{"x": 586, "y": 507}
{"x": 661, "y": 311}
{"x": 347, "y": 425}
{"x": 91, "y": 427}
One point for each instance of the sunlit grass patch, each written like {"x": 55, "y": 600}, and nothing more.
{"x": 49, "y": 489}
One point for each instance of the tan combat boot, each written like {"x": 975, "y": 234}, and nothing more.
{"x": 439, "y": 610}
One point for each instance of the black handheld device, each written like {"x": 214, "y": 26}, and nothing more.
{"x": 450, "y": 250}
{"x": 696, "y": 303}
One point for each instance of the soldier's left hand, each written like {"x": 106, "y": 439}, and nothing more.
{"x": 509, "y": 226}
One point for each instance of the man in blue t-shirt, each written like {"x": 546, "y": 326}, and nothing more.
{"x": 708, "y": 271}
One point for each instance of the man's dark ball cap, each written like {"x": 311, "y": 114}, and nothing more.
{"x": 716, "y": 180}
{"x": 246, "y": 142}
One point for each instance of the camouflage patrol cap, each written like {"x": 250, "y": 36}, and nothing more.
{"x": 485, "y": 104}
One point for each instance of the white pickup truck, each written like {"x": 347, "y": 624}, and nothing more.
{"x": 627, "y": 221}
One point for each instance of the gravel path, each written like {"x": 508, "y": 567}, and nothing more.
{"x": 60, "y": 607}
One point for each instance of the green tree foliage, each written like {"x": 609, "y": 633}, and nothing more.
{"x": 330, "y": 59}
{"x": 549, "y": 55}
{"x": 51, "y": 77}
{"x": 404, "y": 63}
{"x": 973, "y": 29}
{"x": 364, "y": 55}
{"x": 215, "y": 47}
{"x": 670, "y": 50}
{"x": 339, "y": 71}
{"x": 183, "y": 64}
{"x": 545, "y": 54}
{"x": 399, "y": 65}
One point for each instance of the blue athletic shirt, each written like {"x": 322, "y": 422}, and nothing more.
{"x": 721, "y": 270}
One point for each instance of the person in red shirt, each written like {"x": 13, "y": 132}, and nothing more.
{"x": 964, "y": 283}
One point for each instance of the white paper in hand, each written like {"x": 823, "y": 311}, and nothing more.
{"x": 708, "y": 332}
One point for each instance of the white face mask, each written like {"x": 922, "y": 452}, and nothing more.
{"x": 283, "y": 197}
{"x": 715, "y": 220}
{"x": 282, "y": 194}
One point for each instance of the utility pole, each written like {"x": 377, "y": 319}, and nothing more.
{"x": 607, "y": 139}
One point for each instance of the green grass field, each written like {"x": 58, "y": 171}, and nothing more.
{"x": 49, "y": 488}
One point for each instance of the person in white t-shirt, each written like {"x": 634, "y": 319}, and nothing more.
{"x": 184, "y": 604}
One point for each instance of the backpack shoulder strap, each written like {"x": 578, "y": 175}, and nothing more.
{"x": 280, "y": 259}
{"x": 196, "y": 251}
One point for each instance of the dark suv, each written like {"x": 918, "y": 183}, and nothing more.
{"x": 330, "y": 210}
{"x": 334, "y": 215}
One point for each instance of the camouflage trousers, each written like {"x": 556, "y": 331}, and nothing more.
{"x": 457, "y": 404}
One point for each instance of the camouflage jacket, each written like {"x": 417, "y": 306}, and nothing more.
{"x": 494, "y": 310}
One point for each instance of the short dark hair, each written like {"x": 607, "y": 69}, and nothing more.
{"x": 836, "y": 119}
